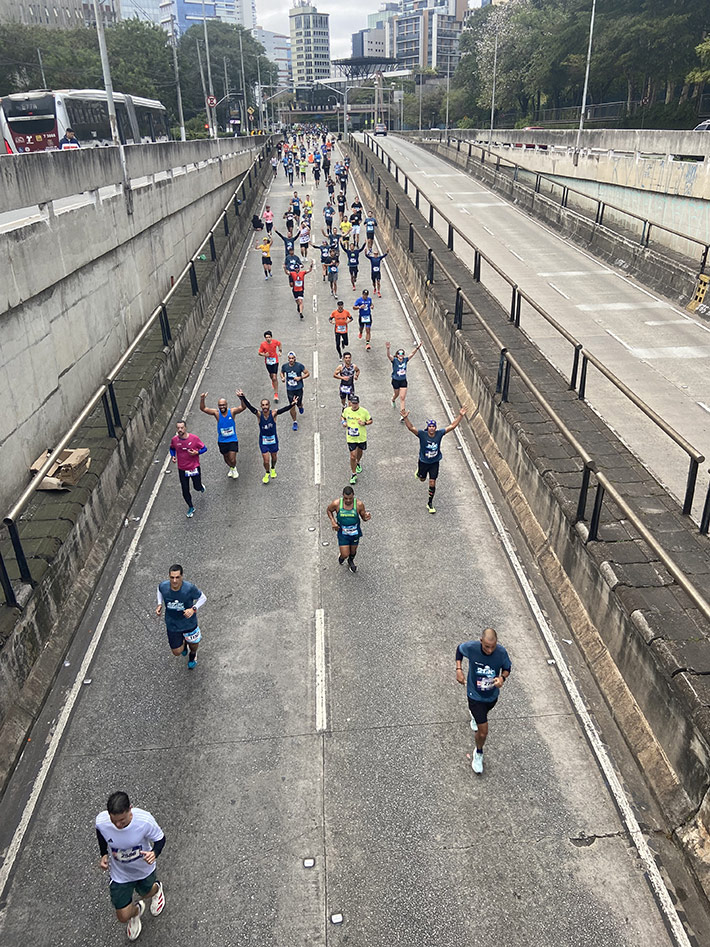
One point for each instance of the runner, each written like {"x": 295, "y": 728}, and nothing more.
{"x": 364, "y": 305}
{"x": 489, "y": 668}
{"x": 268, "y": 435}
{"x": 289, "y": 170}
{"x": 304, "y": 238}
{"x": 294, "y": 373}
{"x": 270, "y": 349}
{"x": 330, "y": 184}
{"x": 376, "y": 264}
{"x": 308, "y": 207}
{"x": 265, "y": 247}
{"x": 345, "y": 228}
{"x": 297, "y": 278}
{"x": 370, "y": 226}
{"x": 345, "y": 514}
{"x": 340, "y": 318}
{"x": 353, "y": 254}
{"x": 227, "y": 440}
{"x": 333, "y": 272}
{"x": 399, "y": 374}
{"x": 325, "y": 256}
{"x": 329, "y": 214}
{"x": 347, "y": 374}
{"x": 289, "y": 243}
{"x": 356, "y": 421}
{"x": 341, "y": 202}
{"x": 274, "y": 164}
{"x": 179, "y": 598}
{"x": 316, "y": 175}
{"x": 304, "y": 169}
{"x": 185, "y": 450}
{"x": 430, "y": 450}
{"x": 268, "y": 218}
{"x": 130, "y": 841}
{"x": 295, "y": 205}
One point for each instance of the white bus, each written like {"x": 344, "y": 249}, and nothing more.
{"x": 37, "y": 121}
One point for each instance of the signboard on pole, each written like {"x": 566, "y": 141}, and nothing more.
{"x": 211, "y": 101}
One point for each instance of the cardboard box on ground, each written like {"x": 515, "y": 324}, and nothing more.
{"x": 68, "y": 468}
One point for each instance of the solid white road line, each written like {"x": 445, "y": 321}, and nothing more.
{"x": 315, "y": 302}
{"x": 73, "y": 694}
{"x": 703, "y": 406}
{"x": 557, "y": 289}
{"x": 316, "y": 457}
{"x": 620, "y": 341}
{"x": 315, "y": 365}
{"x": 321, "y": 713}
{"x": 516, "y": 255}
{"x": 655, "y": 879}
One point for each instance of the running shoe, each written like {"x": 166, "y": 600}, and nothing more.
{"x": 379, "y": 294}
{"x": 273, "y": 473}
{"x": 295, "y": 425}
{"x": 368, "y": 347}
{"x": 300, "y": 409}
{"x": 394, "y": 403}
{"x": 192, "y": 663}
{"x": 352, "y": 566}
{"x": 157, "y": 902}
{"x": 358, "y": 468}
{"x": 474, "y": 725}
{"x": 359, "y": 335}
{"x": 300, "y": 315}
{"x": 202, "y": 489}
{"x": 134, "y": 926}
{"x": 341, "y": 560}
{"x": 266, "y": 277}
{"x": 236, "y": 473}
{"x": 353, "y": 479}
{"x": 416, "y": 474}
{"x": 477, "y": 762}
{"x": 430, "y": 508}
{"x": 265, "y": 478}
{"x": 190, "y": 512}
{"x": 276, "y": 399}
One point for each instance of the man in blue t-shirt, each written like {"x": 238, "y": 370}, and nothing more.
{"x": 363, "y": 305}
{"x": 430, "y": 450}
{"x": 488, "y": 669}
{"x": 181, "y": 600}
{"x": 292, "y": 374}
{"x": 376, "y": 268}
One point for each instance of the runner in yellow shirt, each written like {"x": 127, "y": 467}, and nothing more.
{"x": 356, "y": 421}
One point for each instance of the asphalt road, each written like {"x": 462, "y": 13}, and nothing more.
{"x": 410, "y": 846}
{"x": 656, "y": 348}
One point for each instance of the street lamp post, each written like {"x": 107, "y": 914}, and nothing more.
{"x": 108, "y": 85}
{"x": 448, "y": 86}
{"x": 173, "y": 43}
{"x": 493, "y": 95}
{"x": 586, "y": 83}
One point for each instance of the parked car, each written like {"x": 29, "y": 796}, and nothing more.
{"x": 381, "y": 129}
{"x": 703, "y": 126}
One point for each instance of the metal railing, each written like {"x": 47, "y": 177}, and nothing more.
{"x": 507, "y": 363}
{"x": 105, "y": 395}
{"x": 645, "y": 224}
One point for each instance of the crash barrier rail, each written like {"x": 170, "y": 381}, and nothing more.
{"x": 543, "y": 184}
{"x": 105, "y": 395}
{"x": 578, "y": 376}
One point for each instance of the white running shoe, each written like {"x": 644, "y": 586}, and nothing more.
{"x": 477, "y": 762}
{"x": 474, "y": 725}
{"x": 236, "y": 473}
{"x": 157, "y": 902}
{"x": 134, "y": 926}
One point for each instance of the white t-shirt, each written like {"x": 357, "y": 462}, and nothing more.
{"x": 125, "y": 861}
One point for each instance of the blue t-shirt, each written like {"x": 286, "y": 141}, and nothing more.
{"x": 291, "y": 371}
{"x": 370, "y": 224}
{"x": 375, "y": 262}
{"x": 482, "y": 669}
{"x": 399, "y": 370}
{"x": 325, "y": 253}
{"x": 328, "y": 213}
{"x": 176, "y": 603}
{"x": 365, "y": 310}
{"x": 430, "y": 447}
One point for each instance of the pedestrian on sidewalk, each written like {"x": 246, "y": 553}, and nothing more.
{"x": 227, "y": 440}
{"x": 181, "y": 600}
{"x": 185, "y": 450}
{"x": 356, "y": 421}
{"x": 294, "y": 373}
{"x": 430, "y": 438}
{"x": 340, "y": 318}
{"x": 345, "y": 515}
{"x": 399, "y": 362}
{"x": 270, "y": 350}
{"x": 268, "y": 435}
{"x": 130, "y": 841}
{"x": 489, "y": 668}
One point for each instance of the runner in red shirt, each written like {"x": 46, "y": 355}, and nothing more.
{"x": 185, "y": 450}
{"x": 270, "y": 349}
{"x": 297, "y": 279}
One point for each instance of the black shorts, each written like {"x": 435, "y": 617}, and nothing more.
{"x": 375, "y": 276}
{"x": 480, "y": 709}
{"x": 428, "y": 470}
{"x": 266, "y": 260}
{"x": 228, "y": 447}
{"x": 353, "y": 271}
{"x": 353, "y": 445}
{"x": 398, "y": 383}
{"x": 272, "y": 369}
{"x": 297, "y": 293}
{"x": 269, "y": 226}
{"x": 296, "y": 396}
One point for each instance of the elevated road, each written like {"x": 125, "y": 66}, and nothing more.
{"x": 659, "y": 350}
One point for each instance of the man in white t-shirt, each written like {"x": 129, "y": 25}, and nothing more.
{"x": 130, "y": 840}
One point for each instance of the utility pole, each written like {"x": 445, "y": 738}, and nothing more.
{"x": 245, "y": 126}
{"x": 586, "y": 83}
{"x": 204, "y": 87}
{"x": 448, "y": 86}
{"x": 421, "y": 82}
{"x": 210, "y": 111}
{"x": 115, "y": 137}
{"x": 493, "y": 96}
{"x": 345, "y": 114}
{"x": 41, "y": 68}
{"x": 173, "y": 43}
{"x": 258, "y": 103}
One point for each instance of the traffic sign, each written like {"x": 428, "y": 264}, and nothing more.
{"x": 211, "y": 101}
{"x": 250, "y": 110}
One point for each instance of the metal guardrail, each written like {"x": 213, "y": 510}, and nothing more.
{"x": 106, "y": 394}
{"x": 647, "y": 225}
{"x": 507, "y": 361}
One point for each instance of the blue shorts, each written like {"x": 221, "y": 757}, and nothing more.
{"x": 345, "y": 540}
{"x": 269, "y": 448}
{"x": 176, "y": 639}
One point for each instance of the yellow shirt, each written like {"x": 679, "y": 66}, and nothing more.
{"x": 355, "y": 421}
{"x": 345, "y": 227}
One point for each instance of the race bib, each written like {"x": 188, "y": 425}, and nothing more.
{"x": 401, "y": 372}
{"x": 190, "y": 473}
{"x": 125, "y": 855}
{"x": 350, "y": 530}
{"x": 354, "y": 432}
{"x": 341, "y": 328}
{"x": 268, "y": 440}
{"x": 193, "y": 637}
{"x": 271, "y": 360}
{"x": 485, "y": 683}
{"x": 365, "y": 317}
{"x": 292, "y": 383}
{"x": 345, "y": 388}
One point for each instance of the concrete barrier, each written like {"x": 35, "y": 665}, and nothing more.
{"x": 647, "y": 647}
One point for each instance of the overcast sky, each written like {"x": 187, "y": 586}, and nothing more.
{"x": 344, "y": 21}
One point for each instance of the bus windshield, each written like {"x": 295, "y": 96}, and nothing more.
{"x": 32, "y": 121}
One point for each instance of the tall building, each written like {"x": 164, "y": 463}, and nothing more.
{"x": 377, "y": 20}
{"x": 310, "y": 44}
{"x": 141, "y": 10}
{"x": 68, "y": 15}
{"x": 278, "y": 50}
{"x": 369, "y": 43}
{"x": 426, "y": 33}
{"x": 189, "y": 12}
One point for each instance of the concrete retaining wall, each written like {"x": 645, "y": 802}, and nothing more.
{"x": 83, "y": 282}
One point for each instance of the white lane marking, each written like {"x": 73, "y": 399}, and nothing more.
{"x": 486, "y": 203}
{"x": 315, "y": 303}
{"x": 672, "y": 351}
{"x": 665, "y": 322}
{"x": 648, "y": 862}
{"x": 703, "y": 406}
{"x": 321, "y": 714}
{"x": 557, "y": 289}
{"x": 453, "y": 197}
{"x": 488, "y": 230}
{"x": 316, "y": 458}
{"x": 620, "y": 341}
{"x": 463, "y": 210}
{"x": 516, "y": 255}
{"x": 73, "y": 694}
{"x": 619, "y": 307}
{"x": 315, "y": 365}
{"x": 577, "y": 273}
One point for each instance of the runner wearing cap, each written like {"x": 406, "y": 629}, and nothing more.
{"x": 340, "y": 318}
{"x": 265, "y": 247}
{"x": 399, "y": 374}
{"x": 356, "y": 421}
{"x": 268, "y": 436}
{"x": 345, "y": 514}
{"x": 270, "y": 350}
{"x": 268, "y": 218}
{"x": 347, "y": 374}
{"x": 293, "y": 374}
{"x": 376, "y": 268}
{"x": 363, "y": 304}
{"x": 430, "y": 450}
{"x": 227, "y": 440}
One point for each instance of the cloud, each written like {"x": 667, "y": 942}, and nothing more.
{"x": 273, "y": 15}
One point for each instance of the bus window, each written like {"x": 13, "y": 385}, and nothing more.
{"x": 89, "y": 120}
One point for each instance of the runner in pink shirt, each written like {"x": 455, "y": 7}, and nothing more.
{"x": 185, "y": 450}
{"x": 268, "y": 218}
